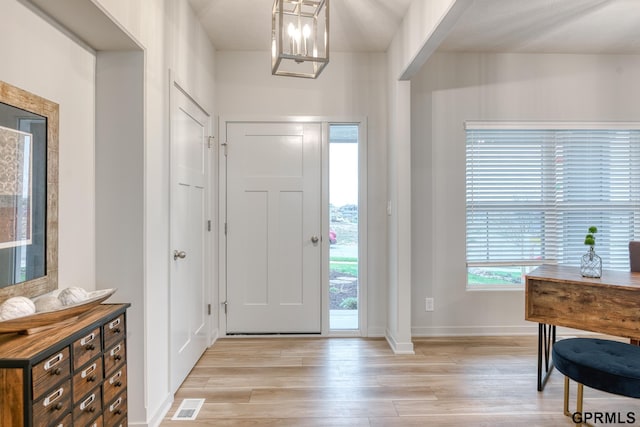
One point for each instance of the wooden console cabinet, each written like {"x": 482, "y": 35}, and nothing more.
{"x": 72, "y": 375}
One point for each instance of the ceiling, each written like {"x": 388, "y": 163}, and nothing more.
{"x": 550, "y": 26}
{"x": 355, "y": 25}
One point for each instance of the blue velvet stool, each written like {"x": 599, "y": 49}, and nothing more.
{"x": 606, "y": 365}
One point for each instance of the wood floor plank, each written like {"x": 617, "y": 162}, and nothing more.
{"x": 458, "y": 381}
{"x": 341, "y": 394}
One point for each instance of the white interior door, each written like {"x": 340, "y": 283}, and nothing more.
{"x": 188, "y": 199}
{"x": 273, "y": 227}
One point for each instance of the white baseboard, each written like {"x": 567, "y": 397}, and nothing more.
{"x": 375, "y": 332}
{"x": 215, "y": 334}
{"x": 157, "y": 418}
{"x": 459, "y": 331}
{"x": 399, "y": 347}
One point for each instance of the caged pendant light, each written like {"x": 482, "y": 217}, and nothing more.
{"x": 299, "y": 37}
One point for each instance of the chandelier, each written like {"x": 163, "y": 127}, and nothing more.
{"x": 299, "y": 37}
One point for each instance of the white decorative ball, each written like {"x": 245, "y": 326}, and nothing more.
{"x": 48, "y": 303}
{"x": 16, "y": 307}
{"x": 70, "y": 296}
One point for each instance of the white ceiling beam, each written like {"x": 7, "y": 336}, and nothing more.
{"x": 88, "y": 22}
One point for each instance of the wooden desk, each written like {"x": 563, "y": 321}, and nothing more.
{"x": 558, "y": 295}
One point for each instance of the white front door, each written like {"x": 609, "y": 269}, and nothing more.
{"x": 188, "y": 199}
{"x": 273, "y": 227}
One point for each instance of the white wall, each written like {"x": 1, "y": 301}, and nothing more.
{"x": 172, "y": 39}
{"x": 452, "y": 88}
{"x": 352, "y": 85}
{"x": 41, "y": 60}
{"x": 423, "y": 26}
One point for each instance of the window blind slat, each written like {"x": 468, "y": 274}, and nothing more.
{"x": 532, "y": 193}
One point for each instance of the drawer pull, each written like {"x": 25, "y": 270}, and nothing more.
{"x": 56, "y": 371}
{"x": 53, "y": 397}
{"x": 88, "y": 401}
{"x": 114, "y": 326}
{"x": 115, "y": 380}
{"x": 86, "y": 340}
{"x": 114, "y": 405}
{"x": 114, "y": 352}
{"x": 88, "y": 371}
{"x": 53, "y": 361}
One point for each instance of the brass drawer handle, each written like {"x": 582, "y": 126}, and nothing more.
{"x": 88, "y": 401}
{"x": 53, "y": 361}
{"x": 53, "y": 397}
{"x": 88, "y": 371}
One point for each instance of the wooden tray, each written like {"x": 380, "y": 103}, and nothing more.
{"x": 48, "y": 319}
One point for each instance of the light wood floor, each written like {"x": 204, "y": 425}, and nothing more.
{"x": 480, "y": 381}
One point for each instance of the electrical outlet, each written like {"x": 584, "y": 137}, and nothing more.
{"x": 428, "y": 304}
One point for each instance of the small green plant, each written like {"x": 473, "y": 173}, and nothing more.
{"x": 590, "y": 239}
{"x": 349, "y": 303}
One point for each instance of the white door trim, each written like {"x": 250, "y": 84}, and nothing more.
{"x": 362, "y": 227}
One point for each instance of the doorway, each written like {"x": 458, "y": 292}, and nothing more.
{"x": 292, "y": 260}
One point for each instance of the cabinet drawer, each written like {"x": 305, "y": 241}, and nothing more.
{"x": 87, "y": 378}
{"x": 97, "y": 422}
{"x": 65, "y": 422}
{"x": 114, "y": 383}
{"x": 50, "y": 371}
{"x": 114, "y": 411}
{"x": 113, "y": 331}
{"x": 86, "y": 348}
{"x": 119, "y": 423}
{"x": 88, "y": 408}
{"x": 53, "y": 405}
{"x": 114, "y": 357}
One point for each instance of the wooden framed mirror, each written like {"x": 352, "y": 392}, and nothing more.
{"x": 28, "y": 193}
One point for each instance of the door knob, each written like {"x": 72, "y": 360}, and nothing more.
{"x": 314, "y": 239}
{"x": 179, "y": 254}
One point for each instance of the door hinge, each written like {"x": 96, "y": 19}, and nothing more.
{"x": 210, "y": 141}
{"x": 225, "y": 228}
{"x": 209, "y": 309}
{"x": 208, "y": 225}
{"x": 224, "y": 147}
{"x": 225, "y": 304}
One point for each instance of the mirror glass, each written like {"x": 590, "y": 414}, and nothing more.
{"x": 23, "y": 196}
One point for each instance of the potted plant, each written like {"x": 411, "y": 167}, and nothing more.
{"x": 591, "y": 264}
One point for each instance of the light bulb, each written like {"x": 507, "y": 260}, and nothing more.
{"x": 306, "y": 31}
{"x": 291, "y": 30}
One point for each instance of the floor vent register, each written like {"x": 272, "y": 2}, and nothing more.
{"x": 188, "y": 409}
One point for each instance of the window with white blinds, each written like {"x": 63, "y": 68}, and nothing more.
{"x": 533, "y": 190}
